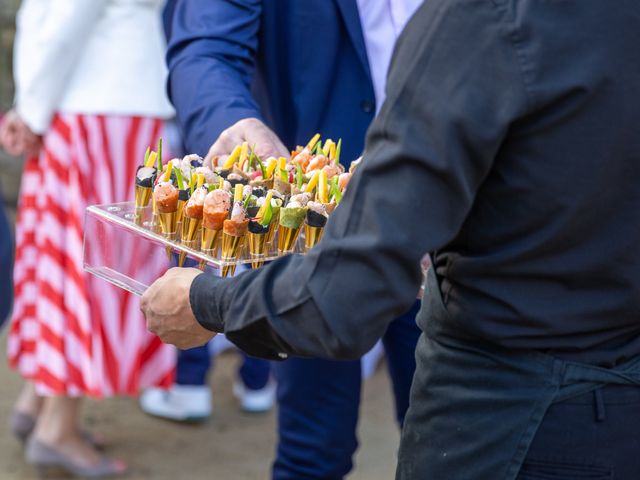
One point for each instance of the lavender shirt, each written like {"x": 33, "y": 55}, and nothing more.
{"x": 382, "y": 21}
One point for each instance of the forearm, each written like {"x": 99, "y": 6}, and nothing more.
{"x": 427, "y": 155}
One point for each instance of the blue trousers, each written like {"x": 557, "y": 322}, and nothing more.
{"x": 6, "y": 253}
{"x": 193, "y": 365}
{"x": 318, "y": 405}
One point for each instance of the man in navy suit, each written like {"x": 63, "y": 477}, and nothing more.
{"x": 244, "y": 69}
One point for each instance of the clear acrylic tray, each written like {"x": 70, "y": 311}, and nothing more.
{"x": 126, "y": 247}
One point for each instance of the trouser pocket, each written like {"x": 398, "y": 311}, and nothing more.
{"x": 552, "y": 470}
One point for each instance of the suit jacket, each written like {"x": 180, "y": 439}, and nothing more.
{"x": 300, "y": 66}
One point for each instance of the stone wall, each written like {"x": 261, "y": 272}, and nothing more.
{"x": 7, "y": 30}
{"x": 9, "y": 167}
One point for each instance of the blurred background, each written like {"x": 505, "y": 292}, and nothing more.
{"x": 232, "y": 444}
{"x": 9, "y": 167}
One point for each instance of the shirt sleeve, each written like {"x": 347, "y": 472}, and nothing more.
{"x": 50, "y": 37}
{"x": 211, "y": 60}
{"x": 454, "y": 88}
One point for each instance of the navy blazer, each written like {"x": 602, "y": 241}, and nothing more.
{"x": 299, "y": 65}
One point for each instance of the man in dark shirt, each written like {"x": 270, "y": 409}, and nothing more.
{"x": 509, "y": 147}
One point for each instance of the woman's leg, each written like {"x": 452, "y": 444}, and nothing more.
{"x": 58, "y": 428}
{"x": 28, "y": 402}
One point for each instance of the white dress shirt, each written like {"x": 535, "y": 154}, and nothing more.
{"x": 382, "y": 21}
{"x": 91, "y": 57}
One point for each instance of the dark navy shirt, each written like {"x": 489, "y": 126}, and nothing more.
{"x": 509, "y": 146}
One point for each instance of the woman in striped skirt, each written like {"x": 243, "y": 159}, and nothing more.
{"x": 90, "y": 83}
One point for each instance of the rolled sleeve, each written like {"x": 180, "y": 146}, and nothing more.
{"x": 454, "y": 88}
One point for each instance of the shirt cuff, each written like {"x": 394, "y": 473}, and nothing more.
{"x": 35, "y": 116}
{"x": 205, "y": 302}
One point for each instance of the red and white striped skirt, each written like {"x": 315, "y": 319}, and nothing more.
{"x": 73, "y": 334}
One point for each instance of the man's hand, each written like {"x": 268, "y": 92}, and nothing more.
{"x": 251, "y": 130}
{"x": 17, "y": 138}
{"x": 167, "y": 309}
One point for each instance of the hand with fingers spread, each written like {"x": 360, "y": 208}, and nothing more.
{"x": 250, "y": 130}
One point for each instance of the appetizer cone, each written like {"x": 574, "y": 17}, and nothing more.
{"x": 273, "y": 226}
{"x": 190, "y": 230}
{"x": 257, "y": 248}
{"x": 234, "y": 232}
{"x": 192, "y": 219}
{"x": 144, "y": 186}
{"x": 209, "y": 243}
{"x": 265, "y": 183}
{"x": 312, "y": 235}
{"x": 183, "y": 198}
{"x": 291, "y": 219}
{"x": 275, "y": 220}
{"x": 232, "y": 246}
{"x": 155, "y": 220}
{"x": 215, "y": 212}
{"x": 183, "y": 191}
{"x": 145, "y": 176}
{"x": 165, "y": 198}
{"x": 314, "y": 225}
{"x": 258, "y": 227}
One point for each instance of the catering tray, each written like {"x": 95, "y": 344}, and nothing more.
{"x": 125, "y": 246}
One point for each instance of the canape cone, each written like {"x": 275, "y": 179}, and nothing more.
{"x": 257, "y": 248}
{"x": 168, "y": 225}
{"x": 190, "y": 228}
{"x": 312, "y": 236}
{"x": 287, "y": 238}
{"x": 181, "y": 204}
{"x": 231, "y": 249}
{"x": 273, "y": 226}
{"x": 209, "y": 243}
{"x": 143, "y": 196}
{"x": 155, "y": 221}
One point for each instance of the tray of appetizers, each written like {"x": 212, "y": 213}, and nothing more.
{"x": 235, "y": 210}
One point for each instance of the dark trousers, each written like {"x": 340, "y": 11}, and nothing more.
{"x": 594, "y": 436}
{"x": 6, "y": 254}
{"x": 318, "y": 406}
{"x": 194, "y": 364}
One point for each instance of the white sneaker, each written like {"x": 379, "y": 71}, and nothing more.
{"x": 255, "y": 401}
{"x": 182, "y": 403}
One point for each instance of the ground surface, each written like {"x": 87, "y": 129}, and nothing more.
{"x": 231, "y": 445}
